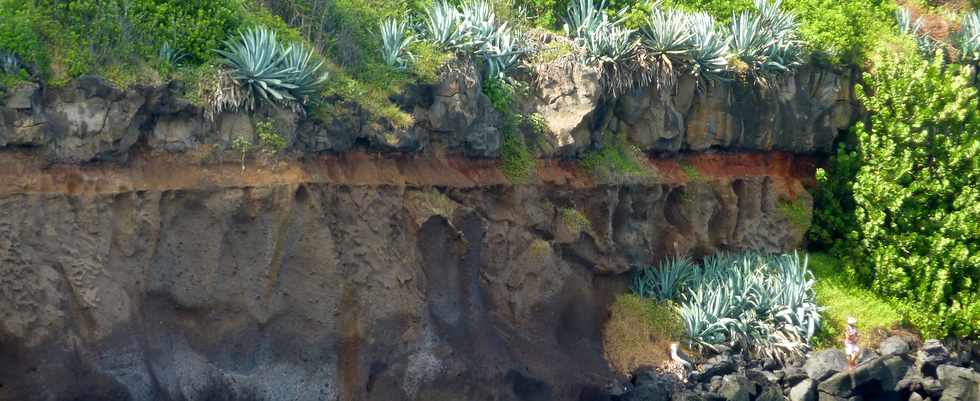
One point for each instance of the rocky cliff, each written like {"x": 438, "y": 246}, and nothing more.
{"x": 137, "y": 264}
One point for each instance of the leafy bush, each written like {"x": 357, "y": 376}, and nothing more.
{"x": 917, "y": 193}
{"x": 763, "y": 303}
{"x": 843, "y": 31}
{"x": 20, "y": 34}
{"x": 834, "y": 229}
{"x": 193, "y": 27}
{"x": 269, "y": 136}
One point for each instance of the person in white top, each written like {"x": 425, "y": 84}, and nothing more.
{"x": 851, "y": 348}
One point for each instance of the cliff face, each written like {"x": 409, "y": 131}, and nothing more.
{"x": 351, "y": 276}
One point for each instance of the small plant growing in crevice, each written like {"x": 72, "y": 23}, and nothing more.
{"x": 692, "y": 173}
{"x": 516, "y": 161}
{"x": 241, "y": 145}
{"x": 575, "y": 220}
{"x": 269, "y": 136}
{"x": 614, "y": 158}
{"x": 796, "y": 211}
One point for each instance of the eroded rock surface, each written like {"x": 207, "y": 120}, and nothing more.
{"x": 334, "y": 286}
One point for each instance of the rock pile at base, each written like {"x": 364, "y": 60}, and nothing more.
{"x": 896, "y": 372}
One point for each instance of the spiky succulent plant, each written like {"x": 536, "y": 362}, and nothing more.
{"x": 307, "y": 74}
{"x": 708, "y": 48}
{"x": 584, "y": 18}
{"x": 255, "y": 61}
{"x": 666, "y": 34}
{"x": 395, "y": 39}
{"x": 750, "y": 40}
{"x": 443, "y": 25}
{"x": 266, "y": 70}
{"x": 968, "y": 38}
{"x": 664, "y": 282}
{"x": 169, "y": 55}
{"x": 763, "y": 303}
{"x": 9, "y": 63}
{"x": 501, "y": 51}
{"x": 914, "y": 29}
{"x": 479, "y": 22}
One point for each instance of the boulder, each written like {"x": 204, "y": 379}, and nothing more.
{"x": 792, "y": 376}
{"x": 893, "y": 345}
{"x": 959, "y": 384}
{"x": 90, "y": 119}
{"x": 565, "y": 95}
{"x": 21, "y": 121}
{"x": 916, "y": 397}
{"x": 932, "y": 354}
{"x": 770, "y": 393}
{"x": 718, "y": 365}
{"x": 823, "y": 364}
{"x": 805, "y": 390}
{"x": 879, "y": 377}
{"x": 737, "y": 388}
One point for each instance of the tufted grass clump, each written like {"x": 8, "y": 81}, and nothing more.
{"x": 639, "y": 332}
{"x": 761, "y": 303}
{"x": 615, "y": 158}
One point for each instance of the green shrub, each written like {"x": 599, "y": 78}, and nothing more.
{"x": 269, "y": 136}
{"x": 20, "y": 33}
{"x": 834, "y": 228}
{"x": 194, "y": 27}
{"x": 843, "y": 31}
{"x": 917, "y": 194}
{"x": 615, "y": 157}
{"x": 516, "y": 160}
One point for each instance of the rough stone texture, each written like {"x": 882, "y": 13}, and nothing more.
{"x": 893, "y": 345}
{"x": 959, "y": 384}
{"x": 737, "y": 388}
{"x": 89, "y": 120}
{"x": 802, "y": 113}
{"x": 566, "y": 95}
{"x": 823, "y": 364}
{"x": 805, "y": 390}
{"x": 20, "y": 120}
{"x": 932, "y": 354}
{"x": 878, "y": 378}
{"x": 191, "y": 284}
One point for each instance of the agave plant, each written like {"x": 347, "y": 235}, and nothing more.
{"x": 9, "y": 63}
{"x": 442, "y": 25}
{"x": 501, "y": 51}
{"x": 666, "y": 39}
{"x": 750, "y": 40}
{"x": 583, "y": 18}
{"x": 914, "y": 29}
{"x": 708, "y": 48}
{"x": 395, "y": 39}
{"x": 664, "y": 282}
{"x": 479, "y": 22}
{"x": 255, "y": 61}
{"x": 763, "y": 303}
{"x": 968, "y": 39}
{"x": 169, "y": 55}
{"x": 306, "y": 73}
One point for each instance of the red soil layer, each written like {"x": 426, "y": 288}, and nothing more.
{"x": 23, "y": 173}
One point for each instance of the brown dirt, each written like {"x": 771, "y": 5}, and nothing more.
{"x": 23, "y": 172}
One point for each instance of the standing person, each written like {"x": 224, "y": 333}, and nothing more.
{"x": 851, "y": 348}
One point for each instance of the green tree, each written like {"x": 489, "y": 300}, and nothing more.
{"x": 917, "y": 193}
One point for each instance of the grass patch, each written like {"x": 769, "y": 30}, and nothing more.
{"x": 841, "y": 296}
{"x": 616, "y": 158}
{"x": 795, "y": 210}
{"x": 692, "y": 173}
{"x": 639, "y": 332}
{"x": 575, "y": 220}
{"x": 516, "y": 161}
